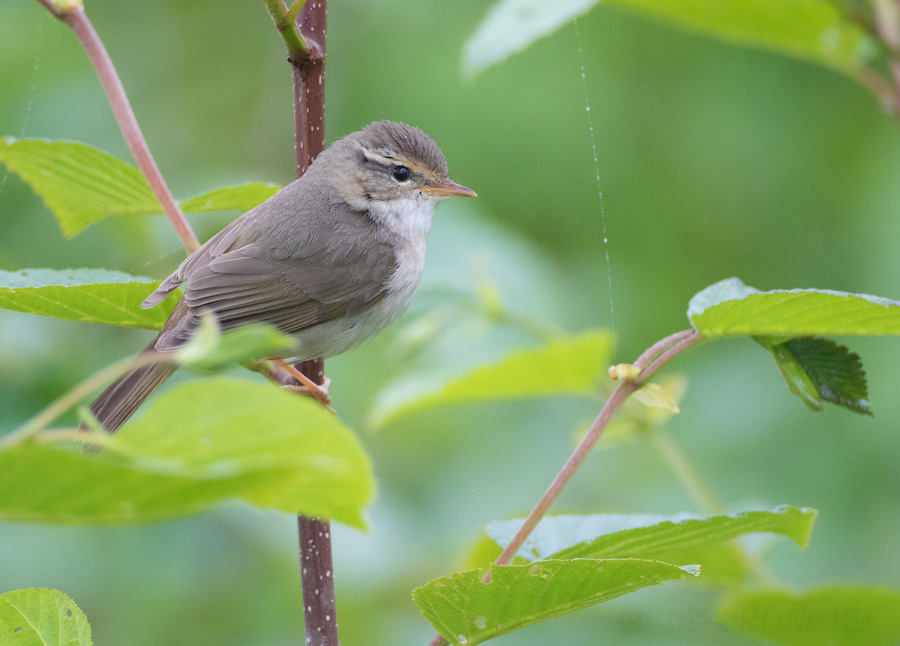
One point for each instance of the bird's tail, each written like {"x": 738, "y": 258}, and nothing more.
{"x": 126, "y": 394}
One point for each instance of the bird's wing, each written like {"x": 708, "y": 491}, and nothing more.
{"x": 246, "y": 285}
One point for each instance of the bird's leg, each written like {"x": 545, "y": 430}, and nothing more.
{"x": 307, "y": 386}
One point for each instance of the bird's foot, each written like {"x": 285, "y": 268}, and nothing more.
{"x": 316, "y": 391}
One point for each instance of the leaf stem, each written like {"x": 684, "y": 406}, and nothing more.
{"x": 58, "y": 407}
{"x": 76, "y": 18}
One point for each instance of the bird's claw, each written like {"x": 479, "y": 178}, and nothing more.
{"x": 318, "y": 392}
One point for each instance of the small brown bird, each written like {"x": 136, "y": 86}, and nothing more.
{"x": 331, "y": 259}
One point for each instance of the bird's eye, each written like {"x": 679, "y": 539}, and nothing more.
{"x": 401, "y": 173}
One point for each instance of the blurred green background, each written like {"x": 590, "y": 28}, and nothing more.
{"x": 714, "y": 161}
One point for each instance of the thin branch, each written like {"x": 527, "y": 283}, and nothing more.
{"x": 675, "y": 343}
{"x": 692, "y": 337}
{"x": 36, "y": 424}
{"x": 659, "y": 347}
{"x": 293, "y": 39}
{"x": 76, "y": 18}
{"x": 616, "y": 399}
{"x": 294, "y": 11}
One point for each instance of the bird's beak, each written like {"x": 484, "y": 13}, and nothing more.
{"x": 449, "y": 189}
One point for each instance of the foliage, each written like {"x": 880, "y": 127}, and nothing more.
{"x": 42, "y": 617}
{"x": 190, "y": 450}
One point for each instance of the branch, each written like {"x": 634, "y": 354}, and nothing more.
{"x": 650, "y": 362}
{"x": 306, "y": 53}
{"x": 666, "y": 349}
{"x": 285, "y": 24}
{"x": 72, "y": 13}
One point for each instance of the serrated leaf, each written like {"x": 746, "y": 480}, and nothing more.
{"x": 42, "y": 617}
{"x": 192, "y": 448}
{"x": 91, "y": 295}
{"x": 240, "y": 198}
{"x": 563, "y": 366}
{"x": 209, "y": 349}
{"x": 730, "y": 308}
{"x": 466, "y": 611}
{"x": 826, "y": 616}
{"x": 80, "y": 184}
{"x": 645, "y": 535}
{"x": 797, "y": 380}
{"x": 653, "y": 395}
{"x": 819, "y": 369}
{"x": 813, "y": 30}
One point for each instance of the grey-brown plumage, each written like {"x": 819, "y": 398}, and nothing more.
{"x": 332, "y": 258}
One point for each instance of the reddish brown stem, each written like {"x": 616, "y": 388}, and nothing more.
{"x": 77, "y": 19}
{"x": 318, "y": 582}
{"x": 309, "y": 135}
{"x": 618, "y": 396}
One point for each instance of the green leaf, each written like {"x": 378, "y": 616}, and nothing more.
{"x": 827, "y": 616}
{"x": 238, "y": 198}
{"x": 193, "y": 447}
{"x": 209, "y": 349}
{"x": 646, "y": 535}
{"x": 563, "y": 366}
{"x": 79, "y": 183}
{"x": 513, "y": 25}
{"x": 797, "y": 380}
{"x": 466, "y": 611}
{"x": 813, "y": 30}
{"x": 730, "y": 308}
{"x": 42, "y": 617}
{"x": 817, "y": 369}
{"x": 92, "y": 295}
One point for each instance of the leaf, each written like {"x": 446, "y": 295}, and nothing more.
{"x": 645, "y": 535}
{"x": 730, "y": 308}
{"x": 209, "y": 348}
{"x": 655, "y": 396}
{"x": 817, "y": 369}
{"x": 238, "y": 198}
{"x": 564, "y": 366}
{"x": 513, "y": 25}
{"x": 193, "y": 447}
{"x": 42, "y": 617}
{"x": 80, "y": 184}
{"x": 91, "y": 295}
{"x": 813, "y": 30}
{"x": 797, "y": 380}
{"x": 466, "y": 611}
{"x": 826, "y": 616}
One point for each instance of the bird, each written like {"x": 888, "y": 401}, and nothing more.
{"x": 330, "y": 259}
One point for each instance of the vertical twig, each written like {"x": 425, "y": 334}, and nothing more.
{"x": 74, "y": 16}
{"x": 317, "y": 573}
